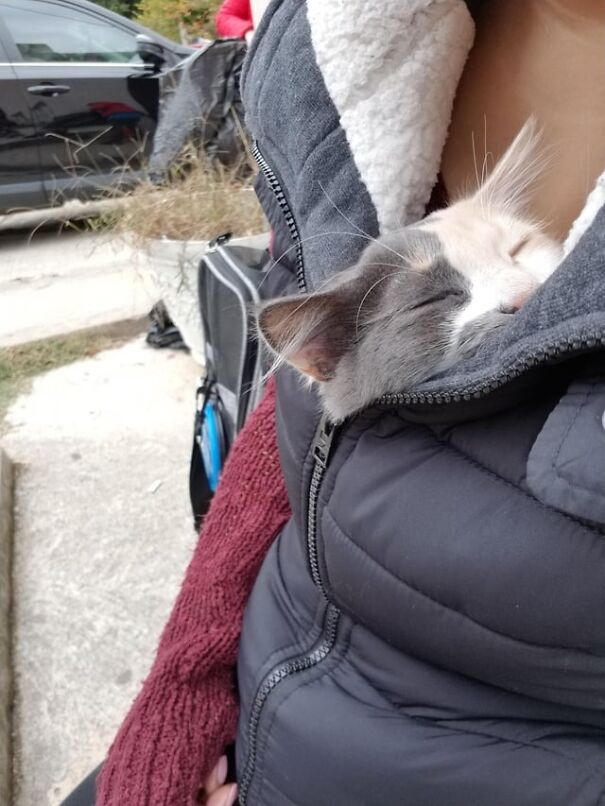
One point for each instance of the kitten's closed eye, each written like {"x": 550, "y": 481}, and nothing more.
{"x": 438, "y": 297}
{"x": 519, "y": 246}
{"x": 419, "y": 299}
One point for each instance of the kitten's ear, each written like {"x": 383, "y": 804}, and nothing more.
{"x": 506, "y": 188}
{"x": 308, "y": 331}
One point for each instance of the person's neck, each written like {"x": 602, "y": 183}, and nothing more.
{"x": 575, "y": 11}
{"x": 541, "y": 58}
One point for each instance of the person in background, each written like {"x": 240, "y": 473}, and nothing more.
{"x": 234, "y": 19}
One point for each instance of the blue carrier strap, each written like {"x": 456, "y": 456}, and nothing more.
{"x": 212, "y": 442}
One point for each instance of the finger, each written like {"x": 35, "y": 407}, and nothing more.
{"x": 224, "y": 796}
{"x": 231, "y": 796}
{"x": 217, "y": 776}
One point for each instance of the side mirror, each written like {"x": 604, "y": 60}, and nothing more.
{"x": 151, "y": 52}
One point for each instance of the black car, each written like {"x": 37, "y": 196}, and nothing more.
{"x": 78, "y": 103}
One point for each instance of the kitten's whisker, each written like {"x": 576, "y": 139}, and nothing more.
{"x": 385, "y": 265}
{"x": 294, "y": 246}
{"x": 354, "y": 225}
{"x": 363, "y": 235}
{"x": 304, "y": 301}
{"x": 475, "y": 159}
{"x": 506, "y": 186}
{"x": 366, "y": 295}
{"x": 340, "y": 212}
{"x": 268, "y": 272}
{"x": 484, "y": 169}
{"x": 485, "y": 134}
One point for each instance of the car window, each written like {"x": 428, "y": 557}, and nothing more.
{"x": 49, "y": 32}
{"x": 3, "y": 54}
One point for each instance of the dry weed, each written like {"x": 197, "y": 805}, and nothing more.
{"x": 198, "y": 201}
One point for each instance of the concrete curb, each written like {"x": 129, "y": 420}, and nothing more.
{"x": 69, "y": 211}
{"x": 6, "y": 676}
{"x": 119, "y": 329}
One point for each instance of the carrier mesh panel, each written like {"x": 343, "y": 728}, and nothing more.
{"x": 224, "y": 319}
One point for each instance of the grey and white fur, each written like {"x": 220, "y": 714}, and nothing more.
{"x": 422, "y": 298}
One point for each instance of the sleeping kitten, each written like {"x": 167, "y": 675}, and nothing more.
{"x": 419, "y": 299}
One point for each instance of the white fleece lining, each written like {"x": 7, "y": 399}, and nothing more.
{"x": 594, "y": 202}
{"x": 392, "y": 69}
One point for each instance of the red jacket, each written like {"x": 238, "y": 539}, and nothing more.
{"x": 234, "y": 18}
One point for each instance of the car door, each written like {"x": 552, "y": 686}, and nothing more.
{"x": 20, "y": 183}
{"x": 93, "y": 102}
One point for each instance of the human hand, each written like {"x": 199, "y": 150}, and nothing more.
{"x": 216, "y": 791}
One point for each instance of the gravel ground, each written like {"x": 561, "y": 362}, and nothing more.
{"x": 103, "y": 535}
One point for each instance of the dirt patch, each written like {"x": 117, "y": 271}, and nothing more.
{"x": 20, "y": 364}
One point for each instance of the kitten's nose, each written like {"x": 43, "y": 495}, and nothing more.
{"x": 521, "y": 297}
{"x": 518, "y": 300}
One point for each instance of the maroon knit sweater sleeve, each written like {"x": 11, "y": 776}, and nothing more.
{"x": 186, "y": 712}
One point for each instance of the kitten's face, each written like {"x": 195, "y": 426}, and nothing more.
{"x": 418, "y": 300}
{"x": 503, "y": 257}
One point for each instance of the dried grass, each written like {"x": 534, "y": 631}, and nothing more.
{"x": 197, "y": 202}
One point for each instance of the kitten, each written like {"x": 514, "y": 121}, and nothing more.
{"x": 419, "y": 299}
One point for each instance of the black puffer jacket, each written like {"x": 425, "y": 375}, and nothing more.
{"x": 429, "y": 629}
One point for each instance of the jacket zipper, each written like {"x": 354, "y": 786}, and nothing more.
{"x": 324, "y": 645}
{"x": 280, "y": 197}
{"x": 322, "y": 445}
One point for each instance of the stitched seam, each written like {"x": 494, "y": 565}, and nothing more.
{"x": 558, "y": 472}
{"x": 313, "y": 679}
{"x": 262, "y": 752}
{"x": 595, "y": 773}
{"x": 463, "y": 616}
{"x": 536, "y": 501}
{"x": 264, "y": 29}
{"x": 266, "y": 88}
{"x": 298, "y": 644}
{"x": 336, "y": 129}
{"x": 475, "y": 732}
{"x": 572, "y": 422}
{"x": 353, "y": 446}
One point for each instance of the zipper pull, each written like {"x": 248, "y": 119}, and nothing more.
{"x": 323, "y": 441}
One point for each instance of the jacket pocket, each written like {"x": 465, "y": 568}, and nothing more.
{"x": 566, "y": 465}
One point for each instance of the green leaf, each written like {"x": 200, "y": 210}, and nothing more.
{"x": 126, "y": 7}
